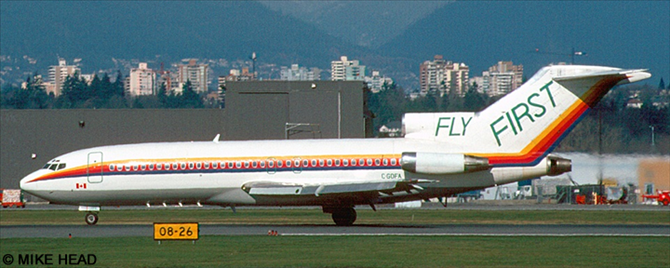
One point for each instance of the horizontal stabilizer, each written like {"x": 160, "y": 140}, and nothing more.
{"x": 633, "y": 75}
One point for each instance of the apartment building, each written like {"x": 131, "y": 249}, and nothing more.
{"x": 58, "y": 74}
{"x": 195, "y": 73}
{"x": 502, "y": 78}
{"x": 142, "y": 81}
{"x": 442, "y": 76}
{"x": 347, "y": 70}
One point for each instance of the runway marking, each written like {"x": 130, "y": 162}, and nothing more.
{"x": 474, "y": 234}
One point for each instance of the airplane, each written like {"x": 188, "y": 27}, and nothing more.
{"x": 440, "y": 155}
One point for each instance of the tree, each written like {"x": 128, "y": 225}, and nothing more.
{"x": 473, "y": 100}
{"x": 387, "y": 105}
{"x": 190, "y": 98}
{"x": 661, "y": 85}
{"x": 75, "y": 92}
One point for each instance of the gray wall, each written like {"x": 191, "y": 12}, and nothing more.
{"x": 260, "y": 109}
{"x": 255, "y": 110}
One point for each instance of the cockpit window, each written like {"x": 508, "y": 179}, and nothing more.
{"x": 61, "y": 166}
{"x": 53, "y": 166}
{"x": 46, "y": 166}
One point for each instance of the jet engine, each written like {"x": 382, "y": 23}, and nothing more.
{"x": 441, "y": 164}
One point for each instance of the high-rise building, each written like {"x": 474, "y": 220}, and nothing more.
{"x": 502, "y": 78}
{"x": 376, "y": 81}
{"x": 58, "y": 74}
{"x": 195, "y": 73}
{"x": 443, "y": 76}
{"x": 346, "y": 70}
{"x": 297, "y": 73}
{"x": 457, "y": 76}
{"x": 142, "y": 81}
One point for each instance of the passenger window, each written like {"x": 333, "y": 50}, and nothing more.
{"x": 353, "y": 162}
{"x": 305, "y": 163}
{"x": 337, "y": 162}
{"x": 321, "y": 162}
{"x": 345, "y": 162}
{"x": 143, "y": 167}
{"x": 330, "y": 162}
{"x": 111, "y": 167}
{"x": 159, "y": 166}
{"x": 288, "y": 163}
{"x": 246, "y": 164}
{"x": 376, "y": 162}
{"x": 386, "y": 162}
{"x": 206, "y": 165}
{"x": 361, "y": 162}
{"x": 151, "y": 166}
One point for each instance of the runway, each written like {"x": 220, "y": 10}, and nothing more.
{"x": 64, "y": 231}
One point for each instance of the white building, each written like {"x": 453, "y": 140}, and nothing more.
{"x": 297, "y": 73}
{"x": 443, "y": 76}
{"x": 347, "y": 70}
{"x": 502, "y": 78}
{"x": 376, "y": 82}
{"x": 142, "y": 81}
{"x": 58, "y": 74}
{"x": 195, "y": 73}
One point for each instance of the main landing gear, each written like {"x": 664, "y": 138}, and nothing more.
{"x": 91, "y": 218}
{"x": 342, "y": 216}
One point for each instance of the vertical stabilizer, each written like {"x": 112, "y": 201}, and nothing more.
{"x": 526, "y": 124}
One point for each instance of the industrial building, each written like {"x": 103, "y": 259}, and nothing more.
{"x": 255, "y": 110}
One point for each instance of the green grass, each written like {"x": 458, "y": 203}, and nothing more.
{"x": 351, "y": 251}
{"x": 315, "y": 216}
{"x": 358, "y": 251}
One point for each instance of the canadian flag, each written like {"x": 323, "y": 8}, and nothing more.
{"x": 83, "y": 185}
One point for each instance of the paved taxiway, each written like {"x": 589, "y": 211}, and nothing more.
{"x": 9, "y": 231}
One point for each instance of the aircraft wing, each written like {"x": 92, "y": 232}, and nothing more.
{"x": 283, "y": 189}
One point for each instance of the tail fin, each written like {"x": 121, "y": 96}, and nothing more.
{"x": 526, "y": 124}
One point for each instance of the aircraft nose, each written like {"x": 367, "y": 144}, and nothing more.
{"x": 27, "y": 184}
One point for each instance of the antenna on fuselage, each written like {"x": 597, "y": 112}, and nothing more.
{"x": 216, "y": 139}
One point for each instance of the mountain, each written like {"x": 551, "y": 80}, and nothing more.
{"x": 627, "y": 34}
{"x": 393, "y": 37}
{"x": 165, "y": 31}
{"x": 364, "y": 23}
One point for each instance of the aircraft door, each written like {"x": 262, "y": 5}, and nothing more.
{"x": 94, "y": 167}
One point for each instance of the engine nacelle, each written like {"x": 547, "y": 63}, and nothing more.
{"x": 558, "y": 165}
{"x": 442, "y": 164}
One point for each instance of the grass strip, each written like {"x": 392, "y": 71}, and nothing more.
{"x": 356, "y": 251}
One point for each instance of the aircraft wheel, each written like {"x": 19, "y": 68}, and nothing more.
{"x": 91, "y": 218}
{"x": 344, "y": 216}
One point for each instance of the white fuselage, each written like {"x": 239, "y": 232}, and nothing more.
{"x": 217, "y": 172}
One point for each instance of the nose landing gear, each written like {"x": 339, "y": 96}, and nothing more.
{"x": 91, "y": 218}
